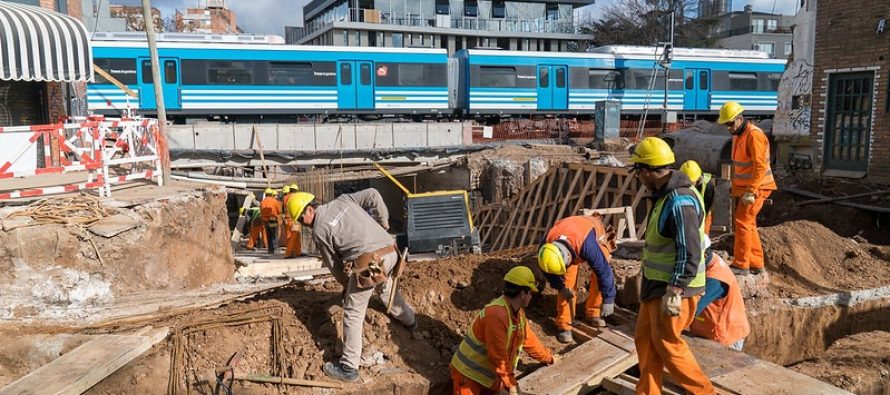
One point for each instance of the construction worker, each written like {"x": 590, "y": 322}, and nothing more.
{"x": 484, "y": 362}
{"x": 705, "y": 185}
{"x": 673, "y": 272}
{"x": 284, "y": 229}
{"x": 257, "y": 230}
{"x": 270, "y": 213}
{"x": 720, "y": 314}
{"x": 293, "y": 243}
{"x": 752, "y": 183}
{"x": 361, "y": 255}
{"x": 569, "y": 243}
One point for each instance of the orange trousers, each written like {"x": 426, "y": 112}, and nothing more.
{"x": 659, "y": 346}
{"x": 257, "y": 233}
{"x": 294, "y": 243}
{"x": 709, "y": 220}
{"x": 591, "y": 308}
{"x": 747, "y": 251}
{"x": 462, "y": 385}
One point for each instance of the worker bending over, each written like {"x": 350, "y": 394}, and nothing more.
{"x": 257, "y": 231}
{"x": 752, "y": 183}
{"x": 569, "y": 243}
{"x": 720, "y": 314}
{"x": 293, "y": 244}
{"x": 361, "y": 255}
{"x": 705, "y": 185}
{"x": 270, "y": 213}
{"x": 484, "y": 362}
{"x": 673, "y": 272}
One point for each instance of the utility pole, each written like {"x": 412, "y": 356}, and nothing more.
{"x": 667, "y": 56}
{"x": 156, "y": 78}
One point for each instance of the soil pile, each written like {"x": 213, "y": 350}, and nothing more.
{"x": 805, "y": 258}
{"x": 859, "y": 363}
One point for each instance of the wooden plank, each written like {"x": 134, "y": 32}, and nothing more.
{"x": 617, "y": 198}
{"x": 768, "y": 378}
{"x": 620, "y": 385}
{"x": 565, "y": 201}
{"x": 85, "y": 366}
{"x": 581, "y": 369}
{"x": 236, "y": 234}
{"x": 602, "y": 190}
{"x": 583, "y": 195}
{"x": 532, "y": 212}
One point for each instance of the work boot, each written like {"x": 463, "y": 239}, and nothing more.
{"x": 595, "y": 322}
{"x": 564, "y": 337}
{"x": 340, "y": 372}
{"x": 757, "y": 271}
{"x": 413, "y": 327}
{"x": 739, "y": 271}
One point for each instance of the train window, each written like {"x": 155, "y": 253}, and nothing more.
{"x": 365, "y": 73}
{"x": 411, "y": 74}
{"x": 290, "y": 73}
{"x": 703, "y": 81}
{"x": 194, "y": 72}
{"x": 170, "y": 71}
{"x": 497, "y": 77}
{"x": 345, "y": 74}
{"x": 146, "y": 72}
{"x": 675, "y": 80}
{"x": 123, "y": 70}
{"x": 560, "y": 77}
{"x": 742, "y": 81}
{"x": 772, "y": 82}
{"x": 223, "y": 72}
{"x": 690, "y": 80}
{"x": 544, "y": 77}
{"x": 601, "y": 79}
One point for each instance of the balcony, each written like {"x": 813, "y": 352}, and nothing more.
{"x": 539, "y": 25}
{"x": 750, "y": 29}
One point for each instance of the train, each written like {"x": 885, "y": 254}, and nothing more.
{"x": 231, "y": 77}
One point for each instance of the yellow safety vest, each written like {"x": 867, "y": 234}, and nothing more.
{"x": 471, "y": 358}
{"x": 660, "y": 253}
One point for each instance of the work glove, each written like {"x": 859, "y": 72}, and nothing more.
{"x": 567, "y": 293}
{"x": 748, "y": 198}
{"x": 514, "y": 390}
{"x": 607, "y": 309}
{"x": 671, "y": 300}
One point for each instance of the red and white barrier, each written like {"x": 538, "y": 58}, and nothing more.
{"x": 110, "y": 150}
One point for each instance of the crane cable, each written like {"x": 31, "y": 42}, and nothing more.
{"x": 648, "y": 97}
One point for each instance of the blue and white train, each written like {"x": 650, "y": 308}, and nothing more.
{"x": 236, "y": 79}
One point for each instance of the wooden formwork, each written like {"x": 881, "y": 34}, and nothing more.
{"x": 562, "y": 191}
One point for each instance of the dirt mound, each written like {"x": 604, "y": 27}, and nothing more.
{"x": 859, "y": 364}
{"x": 805, "y": 258}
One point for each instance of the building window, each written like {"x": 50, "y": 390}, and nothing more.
{"x": 552, "y": 11}
{"x": 788, "y": 48}
{"x": 346, "y": 37}
{"x": 471, "y": 42}
{"x": 442, "y": 7}
{"x": 372, "y": 39}
{"x": 757, "y": 25}
{"x": 471, "y": 8}
{"x": 772, "y": 25}
{"x": 397, "y": 40}
{"x": 767, "y": 47}
{"x": 358, "y": 38}
{"x": 498, "y": 9}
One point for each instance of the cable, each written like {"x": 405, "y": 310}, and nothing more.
{"x": 96, "y": 19}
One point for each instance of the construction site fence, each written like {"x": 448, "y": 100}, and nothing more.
{"x": 79, "y": 153}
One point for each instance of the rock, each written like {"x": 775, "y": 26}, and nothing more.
{"x": 859, "y": 239}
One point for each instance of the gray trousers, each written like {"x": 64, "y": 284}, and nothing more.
{"x": 355, "y": 307}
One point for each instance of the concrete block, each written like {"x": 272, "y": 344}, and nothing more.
{"x": 214, "y": 137}
{"x": 181, "y": 136}
{"x": 409, "y": 135}
{"x": 378, "y": 135}
{"x": 444, "y": 134}
{"x": 244, "y": 138}
{"x": 334, "y": 137}
{"x": 296, "y": 137}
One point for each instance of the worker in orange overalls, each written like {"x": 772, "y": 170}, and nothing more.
{"x": 673, "y": 272}
{"x": 484, "y": 362}
{"x": 292, "y": 235}
{"x": 257, "y": 230}
{"x": 720, "y": 314}
{"x": 752, "y": 183}
{"x": 270, "y": 213}
{"x": 569, "y": 243}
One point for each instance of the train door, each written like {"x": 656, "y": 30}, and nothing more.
{"x": 169, "y": 84}
{"x": 553, "y": 88}
{"x": 355, "y": 85}
{"x": 697, "y": 89}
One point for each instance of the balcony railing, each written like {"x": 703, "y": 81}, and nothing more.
{"x": 750, "y": 29}
{"x": 539, "y": 25}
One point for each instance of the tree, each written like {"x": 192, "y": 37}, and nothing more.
{"x": 647, "y": 22}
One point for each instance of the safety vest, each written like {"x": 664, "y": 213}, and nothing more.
{"x": 724, "y": 320}
{"x": 743, "y": 162}
{"x": 471, "y": 358}
{"x": 660, "y": 253}
{"x": 705, "y": 179}
{"x": 574, "y": 231}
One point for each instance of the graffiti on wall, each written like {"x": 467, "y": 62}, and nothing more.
{"x": 794, "y": 112}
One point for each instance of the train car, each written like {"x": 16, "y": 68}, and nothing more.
{"x": 494, "y": 82}
{"x": 699, "y": 81}
{"x": 206, "y": 77}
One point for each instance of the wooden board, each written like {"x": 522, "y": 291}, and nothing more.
{"x": 265, "y": 267}
{"x": 113, "y": 225}
{"x": 583, "y": 368}
{"x": 767, "y": 378}
{"x": 236, "y": 233}
{"x": 85, "y": 366}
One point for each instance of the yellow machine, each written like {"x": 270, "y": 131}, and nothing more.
{"x": 438, "y": 221}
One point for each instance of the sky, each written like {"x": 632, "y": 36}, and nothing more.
{"x": 270, "y": 16}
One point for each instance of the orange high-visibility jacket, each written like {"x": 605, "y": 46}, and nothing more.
{"x": 270, "y": 208}
{"x": 750, "y": 161}
{"x": 575, "y": 230}
{"x": 724, "y": 320}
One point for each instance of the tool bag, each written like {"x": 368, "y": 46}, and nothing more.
{"x": 368, "y": 269}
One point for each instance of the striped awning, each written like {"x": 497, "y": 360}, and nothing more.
{"x": 38, "y": 44}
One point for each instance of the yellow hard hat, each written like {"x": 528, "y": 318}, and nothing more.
{"x": 294, "y": 187}
{"x": 551, "y": 260}
{"x": 730, "y": 111}
{"x": 691, "y": 169}
{"x": 270, "y": 192}
{"x": 652, "y": 152}
{"x": 521, "y": 276}
{"x": 285, "y": 189}
{"x": 297, "y": 203}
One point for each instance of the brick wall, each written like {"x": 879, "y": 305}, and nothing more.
{"x": 847, "y": 41}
